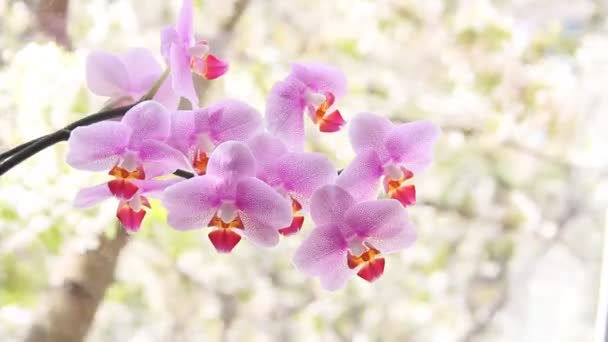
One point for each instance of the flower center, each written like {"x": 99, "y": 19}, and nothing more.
{"x": 367, "y": 259}
{"x": 319, "y": 104}
{"x": 398, "y": 184}
{"x": 120, "y": 186}
{"x": 200, "y": 159}
{"x": 225, "y": 223}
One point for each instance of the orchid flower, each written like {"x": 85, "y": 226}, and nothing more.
{"x": 394, "y": 153}
{"x": 310, "y": 87}
{"x": 230, "y": 200}
{"x": 184, "y": 55}
{"x": 351, "y": 237}
{"x": 127, "y": 77}
{"x": 197, "y": 132}
{"x": 134, "y": 152}
{"x": 296, "y": 175}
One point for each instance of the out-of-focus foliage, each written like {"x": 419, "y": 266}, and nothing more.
{"x": 510, "y": 218}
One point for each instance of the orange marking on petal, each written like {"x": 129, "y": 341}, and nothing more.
{"x": 401, "y": 189}
{"x": 129, "y": 218}
{"x": 201, "y": 159}
{"x": 120, "y": 186}
{"x": 369, "y": 254}
{"x": 224, "y": 240}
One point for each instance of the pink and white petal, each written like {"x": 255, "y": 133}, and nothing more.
{"x": 412, "y": 144}
{"x": 184, "y": 23}
{"x": 368, "y": 131}
{"x": 142, "y": 68}
{"x": 266, "y": 149}
{"x": 181, "y": 74}
{"x": 321, "y": 77}
{"x": 160, "y": 159}
{"x": 263, "y": 211}
{"x": 382, "y": 223}
{"x": 329, "y": 204}
{"x": 168, "y": 37}
{"x": 182, "y": 135}
{"x": 166, "y": 96}
{"x": 324, "y": 254}
{"x": 149, "y": 121}
{"x": 233, "y": 120}
{"x": 106, "y": 75}
{"x": 361, "y": 178}
{"x": 285, "y": 112}
{"x": 97, "y": 147}
{"x": 260, "y": 201}
{"x": 191, "y": 203}
{"x": 155, "y": 187}
{"x": 305, "y": 172}
{"x": 231, "y": 160}
{"x": 89, "y": 197}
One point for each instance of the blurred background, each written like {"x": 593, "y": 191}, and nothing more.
{"x": 510, "y": 217}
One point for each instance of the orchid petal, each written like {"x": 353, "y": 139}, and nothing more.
{"x": 304, "y": 172}
{"x": 182, "y": 135}
{"x": 89, "y": 197}
{"x": 285, "y": 112}
{"x": 383, "y": 223}
{"x": 97, "y": 147}
{"x": 233, "y": 120}
{"x": 160, "y": 159}
{"x": 362, "y": 176}
{"x": 149, "y": 120}
{"x": 184, "y": 26}
{"x": 181, "y": 75}
{"x": 412, "y": 144}
{"x": 168, "y": 37}
{"x": 231, "y": 160}
{"x": 142, "y": 68}
{"x": 324, "y": 254}
{"x": 106, "y": 75}
{"x": 321, "y": 77}
{"x": 329, "y": 204}
{"x": 368, "y": 131}
{"x": 263, "y": 211}
{"x": 191, "y": 203}
{"x": 266, "y": 149}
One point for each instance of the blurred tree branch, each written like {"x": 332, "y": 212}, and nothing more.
{"x": 68, "y": 311}
{"x": 52, "y": 18}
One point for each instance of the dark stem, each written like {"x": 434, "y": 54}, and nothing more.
{"x": 17, "y": 155}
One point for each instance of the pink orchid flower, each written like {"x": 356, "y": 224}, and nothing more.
{"x": 351, "y": 237}
{"x": 134, "y": 152}
{"x": 197, "y": 132}
{"x": 310, "y": 87}
{"x": 296, "y": 175}
{"x": 230, "y": 200}
{"x": 185, "y": 55}
{"x": 394, "y": 153}
{"x": 127, "y": 77}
